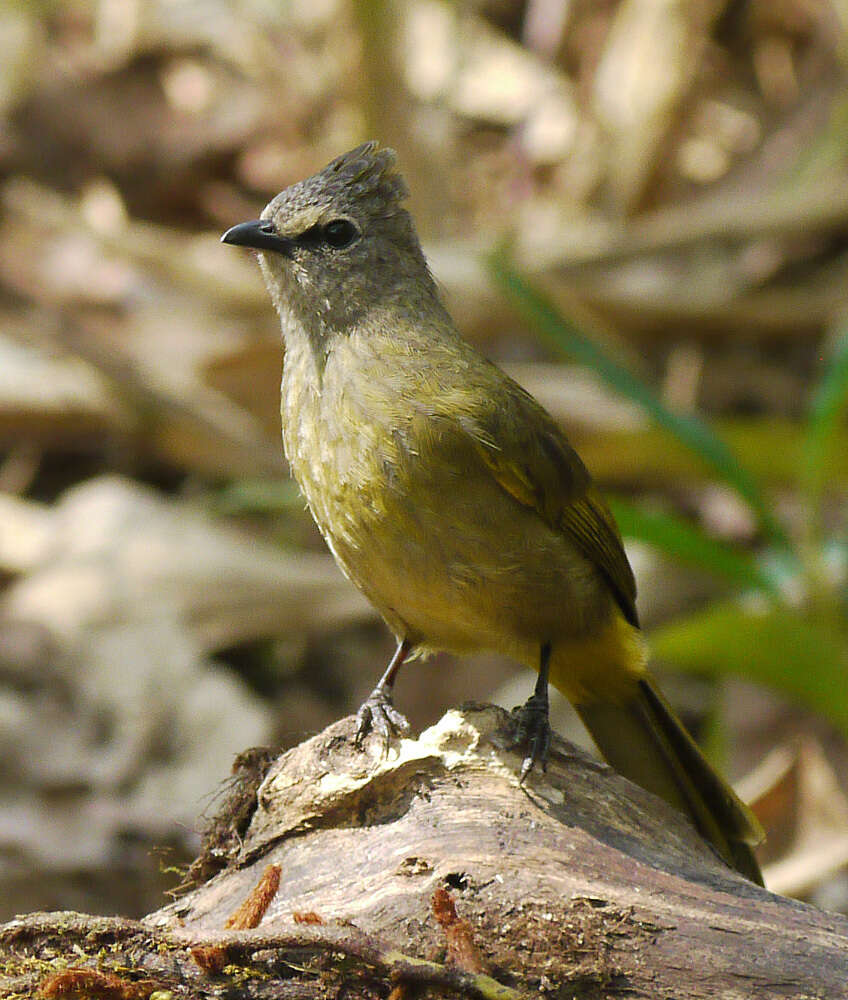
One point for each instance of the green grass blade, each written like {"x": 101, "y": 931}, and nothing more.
{"x": 689, "y": 544}
{"x": 827, "y": 408}
{"x": 804, "y": 659}
{"x": 538, "y": 309}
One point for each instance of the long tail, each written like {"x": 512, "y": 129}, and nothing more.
{"x": 643, "y": 740}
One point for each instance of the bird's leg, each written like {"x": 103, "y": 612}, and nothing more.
{"x": 533, "y": 727}
{"x": 377, "y": 712}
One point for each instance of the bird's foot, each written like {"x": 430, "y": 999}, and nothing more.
{"x": 532, "y": 730}
{"x": 377, "y": 714}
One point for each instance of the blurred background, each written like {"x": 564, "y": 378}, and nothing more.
{"x": 638, "y": 207}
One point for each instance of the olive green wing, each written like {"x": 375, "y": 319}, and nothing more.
{"x": 532, "y": 460}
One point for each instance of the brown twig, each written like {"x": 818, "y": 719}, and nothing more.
{"x": 398, "y": 967}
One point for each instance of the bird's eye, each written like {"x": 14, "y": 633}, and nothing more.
{"x": 340, "y": 233}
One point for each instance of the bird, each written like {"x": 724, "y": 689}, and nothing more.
{"x": 451, "y": 498}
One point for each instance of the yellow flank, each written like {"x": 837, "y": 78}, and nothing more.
{"x": 602, "y": 667}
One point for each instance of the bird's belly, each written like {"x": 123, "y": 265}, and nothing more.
{"x": 464, "y": 568}
{"x": 448, "y": 557}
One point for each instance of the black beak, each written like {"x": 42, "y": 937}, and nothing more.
{"x": 260, "y": 235}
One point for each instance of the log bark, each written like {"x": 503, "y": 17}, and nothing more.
{"x": 358, "y": 873}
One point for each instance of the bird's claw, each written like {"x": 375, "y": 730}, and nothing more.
{"x": 377, "y": 714}
{"x": 532, "y": 730}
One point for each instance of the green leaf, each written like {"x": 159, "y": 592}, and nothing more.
{"x": 539, "y": 310}
{"x": 259, "y": 496}
{"x": 827, "y": 407}
{"x": 688, "y": 543}
{"x": 802, "y": 658}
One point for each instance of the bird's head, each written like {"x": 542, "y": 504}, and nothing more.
{"x": 338, "y": 243}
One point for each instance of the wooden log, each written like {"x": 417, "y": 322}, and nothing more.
{"x": 432, "y": 865}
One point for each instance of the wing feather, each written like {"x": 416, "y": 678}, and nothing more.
{"x": 532, "y": 460}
